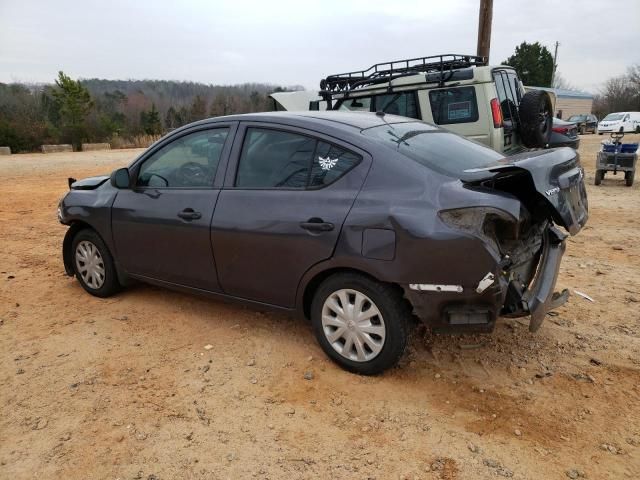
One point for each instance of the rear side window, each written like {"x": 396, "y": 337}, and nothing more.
{"x": 330, "y": 163}
{"x": 360, "y": 104}
{"x": 454, "y": 105}
{"x": 401, "y": 103}
{"x": 277, "y": 159}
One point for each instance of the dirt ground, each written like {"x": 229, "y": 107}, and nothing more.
{"x": 124, "y": 387}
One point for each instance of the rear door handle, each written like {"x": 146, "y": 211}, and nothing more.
{"x": 189, "y": 214}
{"x": 317, "y": 225}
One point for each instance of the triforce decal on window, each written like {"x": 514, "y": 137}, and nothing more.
{"x": 327, "y": 163}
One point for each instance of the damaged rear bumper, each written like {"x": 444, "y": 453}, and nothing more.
{"x": 476, "y": 308}
{"x": 540, "y": 298}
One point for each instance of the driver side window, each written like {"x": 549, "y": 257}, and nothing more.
{"x": 190, "y": 161}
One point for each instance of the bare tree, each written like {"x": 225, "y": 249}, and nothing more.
{"x": 619, "y": 94}
{"x": 560, "y": 82}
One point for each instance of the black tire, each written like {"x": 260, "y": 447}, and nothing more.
{"x": 536, "y": 118}
{"x": 110, "y": 284}
{"x": 628, "y": 178}
{"x": 599, "y": 176}
{"x": 638, "y": 129}
{"x": 599, "y": 133}
{"x": 583, "y": 130}
{"x": 393, "y": 308}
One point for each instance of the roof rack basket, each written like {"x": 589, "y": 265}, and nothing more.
{"x": 343, "y": 83}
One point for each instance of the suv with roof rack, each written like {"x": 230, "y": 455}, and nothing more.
{"x": 460, "y": 93}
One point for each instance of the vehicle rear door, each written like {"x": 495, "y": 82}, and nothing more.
{"x": 509, "y": 95}
{"x": 161, "y": 225}
{"x": 287, "y": 193}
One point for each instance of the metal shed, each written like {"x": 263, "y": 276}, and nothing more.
{"x": 569, "y": 102}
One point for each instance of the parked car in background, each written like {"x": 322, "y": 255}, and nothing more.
{"x": 354, "y": 220}
{"x": 460, "y": 93}
{"x": 564, "y": 134}
{"x": 586, "y": 122}
{"x": 624, "y": 122}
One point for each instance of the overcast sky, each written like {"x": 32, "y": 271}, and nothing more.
{"x": 299, "y": 42}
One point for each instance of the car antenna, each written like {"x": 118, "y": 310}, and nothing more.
{"x": 380, "y": 113}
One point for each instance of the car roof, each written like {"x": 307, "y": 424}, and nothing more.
{"x": 356, "y": 120}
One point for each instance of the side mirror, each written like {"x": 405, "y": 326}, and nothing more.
{"x": 120, "y": 178}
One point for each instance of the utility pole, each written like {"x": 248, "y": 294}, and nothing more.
{"x": 484, "y": 28}
{"x": 555, "y": 63}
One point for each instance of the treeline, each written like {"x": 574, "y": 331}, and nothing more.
{"x": 120, "y": 112}
{"x": 619, "y": 94}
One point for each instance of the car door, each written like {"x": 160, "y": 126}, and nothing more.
{"x": 286, "y": 196}
{"x": 161, "y": 226}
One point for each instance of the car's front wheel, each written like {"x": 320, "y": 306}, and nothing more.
{"x": 361, "y": 324}
{"x": 93, "y": 264}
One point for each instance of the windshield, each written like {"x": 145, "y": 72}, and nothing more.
{"x": 613, "y": 116}
{"x": 577, "y": 118}
{"x": 439, "y": 150}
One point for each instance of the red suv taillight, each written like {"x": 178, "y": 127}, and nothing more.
{"x": 496, "y": 112}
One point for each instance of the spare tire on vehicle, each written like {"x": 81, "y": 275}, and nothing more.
{"x": 536, "y": 119}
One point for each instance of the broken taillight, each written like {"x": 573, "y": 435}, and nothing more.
{"x": 490, "y": 224}
{"x": 496, "y": 112}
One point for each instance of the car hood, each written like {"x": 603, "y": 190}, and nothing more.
{"x": 554, "y": 177}
{"x": 87, "y": 183}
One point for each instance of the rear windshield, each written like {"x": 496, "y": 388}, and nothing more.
{"x": 439, "y": 150}
{"x": 613, "y": 116}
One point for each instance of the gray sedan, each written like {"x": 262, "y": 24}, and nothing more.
{"x": 355, "y": 220}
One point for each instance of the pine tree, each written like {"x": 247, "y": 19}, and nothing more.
{"x": 150, "y": 121}
{"x": 73, "y": 103}
{"x": 534, "y": 64}
{"x": 198, "y": 109}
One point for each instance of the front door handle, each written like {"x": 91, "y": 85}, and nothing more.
{"x": 189, "y": 214}
{"x": 317, "y": 225}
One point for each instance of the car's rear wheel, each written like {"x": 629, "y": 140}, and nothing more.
{"x": 361, "y": 324}
{"x": 93, "y": 264}
{"x": 599, "y": 175}
{"x": 628, "y": 178}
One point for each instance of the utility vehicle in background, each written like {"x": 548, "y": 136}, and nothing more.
{"x": 615, "y": 157}
{"x": 460, "y": 93}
